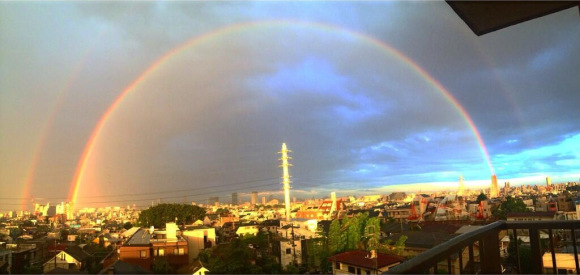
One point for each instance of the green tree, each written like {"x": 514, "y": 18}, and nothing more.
{"x": 161, "y": 266}
{"x": 127, "y": 225}
{"x": 525, "y": 253}
{"x": 291, "y": 269}
{"x": 163, "y": 213}
{"x": 481, "y": 197}
{"x": 335, "y": 240}
{"x": 373, "y": 233}
{"x": 510, "y": 205}
{"x": 391, "y": 247}
{"x": 238, "y": 255}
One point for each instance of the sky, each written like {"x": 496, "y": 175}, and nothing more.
{"x": 357, "y": 90}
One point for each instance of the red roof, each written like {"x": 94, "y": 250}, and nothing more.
{"x": 361, "y": 258}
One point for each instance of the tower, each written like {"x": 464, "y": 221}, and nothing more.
{"x": 286, "y": 179}
{"x": 494, "y": 190}
{"x": 548, "y": 182}
{"x": 461, "y": 186}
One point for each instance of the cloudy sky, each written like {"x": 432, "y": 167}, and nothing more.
{"x": 210, "y": 118}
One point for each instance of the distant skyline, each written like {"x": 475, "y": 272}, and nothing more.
{"x": 373, "y": 96}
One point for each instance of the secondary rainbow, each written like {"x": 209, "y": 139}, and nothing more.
{"x": 31, "y": 174}
{"x": 89, "y": 147}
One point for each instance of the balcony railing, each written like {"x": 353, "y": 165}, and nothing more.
{"x": 450, "y": 254}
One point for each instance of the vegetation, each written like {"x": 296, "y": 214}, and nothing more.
{"x": 127, "y": 225}
{"x": 161, "y": 266}
{"x": 180, "y": 213}
{"x": 237, "y": 256}
{"x": 358, "y": 232}
{"x": 510, "y": 205}
{"x": 525, "y": 253}
{"x": 481, "y": 197}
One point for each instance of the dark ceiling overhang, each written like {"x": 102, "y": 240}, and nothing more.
{"x": 487, "y": 16}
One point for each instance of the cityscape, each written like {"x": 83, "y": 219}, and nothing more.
{"x": 259, "y": 137}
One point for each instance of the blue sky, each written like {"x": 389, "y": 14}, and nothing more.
{"x": 353, "y": 115}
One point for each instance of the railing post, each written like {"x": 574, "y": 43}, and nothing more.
{"x": 490, "y": 261}
{"x": 536, "y": 262}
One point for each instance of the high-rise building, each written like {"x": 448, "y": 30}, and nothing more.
{"x": 234, "y": 198}
{"x": 264, "y": 200}
{"x": 461, "y": 186}
{"x": 213, "y": 200}
{"x": 254, "y": 198}
{"x": 548, "y": 181}
{"x": 494, "y": 190}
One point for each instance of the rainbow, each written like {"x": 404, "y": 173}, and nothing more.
{"x": 30, "y": 175}
{"x": 90, "y": 145}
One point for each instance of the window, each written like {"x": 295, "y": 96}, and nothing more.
{"x": 143, "y": 253}
{"x": 179, "y": 251}
{"x": 358, "y": 270}
{"x": 337, "y": 265}
{"x": 160, "y": 252}
{"x": 351, "y": 269}
{"x": 368, "y": 272}
{"x": 288, "y": 250}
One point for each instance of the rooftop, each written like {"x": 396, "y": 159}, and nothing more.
{"x": 141, "y": 237}
{"x": 362, "y": 258}
{"x": 531, "y": 214}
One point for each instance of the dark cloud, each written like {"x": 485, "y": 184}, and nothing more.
{"x": 217, "y": 113}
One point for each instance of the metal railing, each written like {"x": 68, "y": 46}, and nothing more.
{"x": 487, "y": 241}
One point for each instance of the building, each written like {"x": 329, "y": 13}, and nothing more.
{"x": 531, "y": 216}
{"x": 565, "y": 263}
{"x": 213, "y": 201}
{"x": 494, "y": 190}
{"x": 363, "y": 262}
{"x": 235, "y": 199}
{"x": 73, "y": 259}
{"x": 166, "y": 243}
{"x": 254, "y": 198}
{"x": 326, "y": 210}
{"x": 199, "y": 238}
{"x": 144, "y": 246}
{"x": 247, "y": 229}
{"x": 137, "y": 250}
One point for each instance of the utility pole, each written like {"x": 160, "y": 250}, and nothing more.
{"x": 293, "y": 246}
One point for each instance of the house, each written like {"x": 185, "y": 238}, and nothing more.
{"x": 198, "y": 239}
{"x": 326, "y": 210}
{"x": 363, "y": 262}
{"x": 566, "y": 263}
{"x": 120, "y": 267}
{"x": 22, "y": 255}
{"x": 106, "y": 239}
{"x": 137, "y": 250}
{"x": 247, "y": 229}
{"x": 197, "y": 268}
{"x": 531, "y": 216}
{"x": 72, "y": 259}
{"x": 166, "y": 243}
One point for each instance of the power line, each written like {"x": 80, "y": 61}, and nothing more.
{"x": 149, "y": 193}
{"x": 170, "y": 197}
